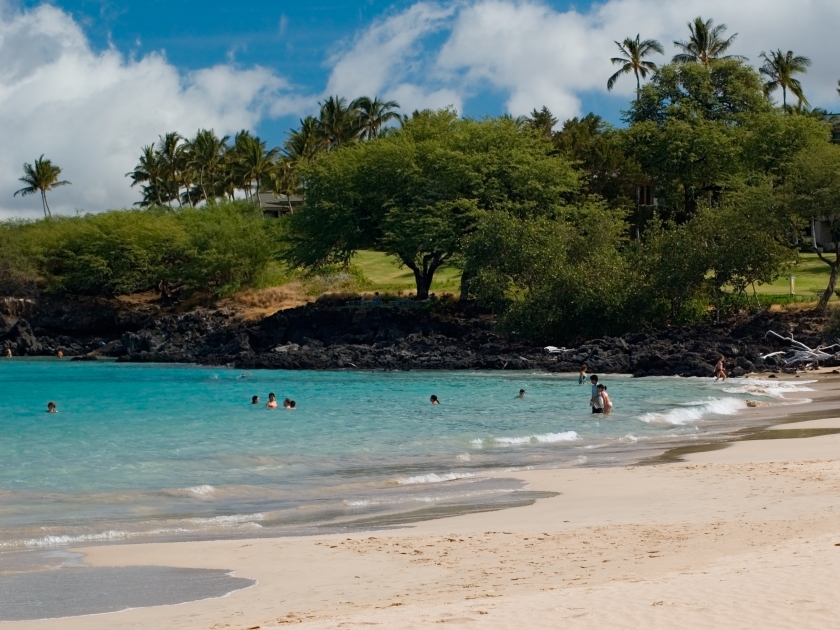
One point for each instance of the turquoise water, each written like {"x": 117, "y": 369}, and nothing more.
{"x": 162, "y": 451}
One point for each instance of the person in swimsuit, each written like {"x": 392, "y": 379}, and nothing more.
{"x": 292, "y": 405}
{"x": 434, "y": 400}
{"x": 606, "y": 398}
{"x": 272, "y": 402}
{"x": 521, "y": 393}
{"x": 51, "y": 407}
{"x": 255, "y": 400}
{"x": 720, "y": 370}
{"x": 8, "y": 353}
{"x": 596, "y": 401}
{"x": 582, "y": 375}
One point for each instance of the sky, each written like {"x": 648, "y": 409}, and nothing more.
{"x": 87, "y": 83}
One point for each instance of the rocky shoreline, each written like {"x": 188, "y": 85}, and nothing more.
{"x": 325, "y": 336}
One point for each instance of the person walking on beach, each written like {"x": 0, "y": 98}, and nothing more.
{"x": 602, "y": 389}
{"x": 582, "y": 375}
{"x": 596, "y": 401}
{"x": 720, "y": 370}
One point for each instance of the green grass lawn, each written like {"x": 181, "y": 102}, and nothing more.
{"x": 811, "y": 279}
{"x": 387, "y": 276}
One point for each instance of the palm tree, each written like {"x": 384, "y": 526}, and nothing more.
{"x": 303, "y": 144}
{"x": 541, "y": 120}
{"x": 633, "y": 53}
{"x": 338, "y": 124}
{"x": 779, "y": 69}
{"x": 170, "y": 152}
{"x": 206, "y": 156}
{"x": 705, "y": 44}
{"x": 148, "y": 171}
{"x": 40, "y": 178}
{"x": 253, "y": 162}
{"x": 374, "y": 114}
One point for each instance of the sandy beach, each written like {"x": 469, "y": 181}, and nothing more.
{"x": 743, "y": 537}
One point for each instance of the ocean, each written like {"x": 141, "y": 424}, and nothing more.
{"x": 141, "y": 452}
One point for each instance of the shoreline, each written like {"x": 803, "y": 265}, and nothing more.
{"x": 613, "y": 544}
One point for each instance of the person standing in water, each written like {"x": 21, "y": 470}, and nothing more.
{"x": 596, "y": 401}
{"x": 434, "y": 400}
{"x": 582, "y": 375}
{"x": 272, "y": 401}
{"x": 521, "y": 393}
{"x": 8, "y": 353}
{"x": 51, "y": 407}
{"x": 605, "y": 398}
{"x": 720, "y": 370}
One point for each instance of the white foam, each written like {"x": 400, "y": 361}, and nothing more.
{"x": 542, "y": 438}
{"x": 54, "y": 541}
{"x": 231, "y": 519}
{"x": 201, "y": 491}
{"x": 695, "y": 410}
{"x": 772, "y": 389}
{"x": 433, "y": 478}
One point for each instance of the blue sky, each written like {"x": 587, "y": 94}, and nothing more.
{"x": 87, "y": 83}
{"x": 295, "y": 39}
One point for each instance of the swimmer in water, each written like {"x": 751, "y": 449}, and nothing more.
{"x": 596, "y": 401}
{"x": 51, "y": 407}
{"x": 606, "y": 398}
{"x": 272, "y": 402}
{"x": 255, "y": 400}
{"x": 521, "y": 393}
{"x": 59, "y": 354}
{"x": 582, "y": 375}
{"x": 434, "y": 400}
{"x": 292, "y": 405}
{"x": 286, "y": 403}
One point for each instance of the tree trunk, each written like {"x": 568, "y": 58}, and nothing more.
{"x": 423, "y": 275}
{"x": 47, "y": 212}
{"x": 424, "y": 282}
{"x": 466, "y": 276}
{"x": 832, "y": 279}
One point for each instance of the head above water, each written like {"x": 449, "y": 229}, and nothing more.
{"x": 292, "y": 404}
{"x": 51, "y": 407}
{"x": 255, "y": 400}
{"x": 602, "y": 388}
{"x": 522, "y": 393}
{"x": 594, "y": 379}
{"x": 434, "y": 400}
{"x": 271, "y": 396}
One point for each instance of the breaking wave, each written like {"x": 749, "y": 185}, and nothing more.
{"x": 696, "y": 410}
{"x": 542, "y": 438}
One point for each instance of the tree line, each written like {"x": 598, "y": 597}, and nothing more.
{"x": 579, "y": 228}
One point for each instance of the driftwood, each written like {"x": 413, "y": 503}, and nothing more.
{"x": 800, "y": 353}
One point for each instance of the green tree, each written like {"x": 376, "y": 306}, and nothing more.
{"x": 149, "y": 173}
{"x": 705, "y": 44}
{"x": 40, "y": 178}
{"x": 338, "y": 123}
{"x": 632, "y": 59}
{"x": 374, "y": 115}
{"x": 417, "y": 193}
{"x": 206, "y": 159}
{"x": 542, "y": 121}
{"x": 779, "y": 68}
{"x": 812, "y": 193}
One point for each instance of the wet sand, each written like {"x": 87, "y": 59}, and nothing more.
{"x": 744, "y": 536}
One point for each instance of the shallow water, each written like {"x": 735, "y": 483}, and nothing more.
{"x": 141, "y": 452}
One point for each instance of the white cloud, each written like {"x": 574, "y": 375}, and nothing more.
{"x": 91, "y": 112}
{"x": 537, "y": 55}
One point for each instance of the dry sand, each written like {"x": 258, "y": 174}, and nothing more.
{"x": 745, "y": 537}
